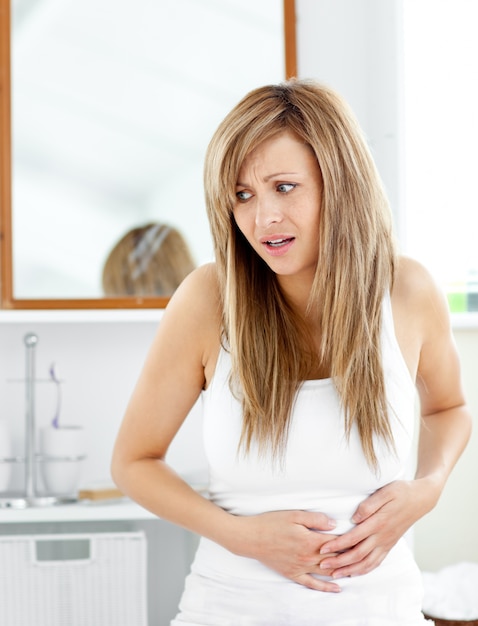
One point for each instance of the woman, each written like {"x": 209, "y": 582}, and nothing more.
{"x": 307, "y": 339}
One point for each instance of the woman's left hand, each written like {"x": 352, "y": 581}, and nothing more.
{"x": 381, "y": 520}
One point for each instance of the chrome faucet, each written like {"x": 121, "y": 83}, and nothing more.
{"x": 31, "y": 341}
{"x": 30, "y": 496}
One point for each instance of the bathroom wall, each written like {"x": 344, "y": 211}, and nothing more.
{"x": 353, "y": 46}
{"x": 98, "y": 363}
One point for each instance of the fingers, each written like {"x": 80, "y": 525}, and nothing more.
{"x": 307, "y": 580}
{"x": 380, "y": 521}
{"x": 372, "y": 524}
{"x": 361, "y": 559}
{"x": 289, "y": 543}
{"x": 344, "y": 542}
{"x": 368, "y": 507}
{"x": 373, "y": 503}
{"x": 355, "y": 555}
{"x": 359, "y": 568}
{"x": 317, "y": 521}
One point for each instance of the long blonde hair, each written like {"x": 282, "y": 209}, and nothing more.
{"x": 355, "y": 268}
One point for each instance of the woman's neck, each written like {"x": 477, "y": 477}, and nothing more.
{"x": 297, "y": 293}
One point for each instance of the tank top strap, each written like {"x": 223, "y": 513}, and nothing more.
{"x": 391, "y": 352}
{"x": 222, "y": 370}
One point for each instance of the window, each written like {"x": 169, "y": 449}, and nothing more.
{"x": 441, "y": 143}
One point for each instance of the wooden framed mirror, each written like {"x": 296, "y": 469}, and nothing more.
{"x": 51, "y": 53}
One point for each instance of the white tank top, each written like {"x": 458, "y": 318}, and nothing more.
{"x": 323, "y": 470}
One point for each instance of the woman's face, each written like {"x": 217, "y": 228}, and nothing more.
{"x": 278, "y": 198}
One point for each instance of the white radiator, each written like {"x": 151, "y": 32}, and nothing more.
{"x": 87, "y": 579}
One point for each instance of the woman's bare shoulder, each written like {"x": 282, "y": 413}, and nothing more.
{"x": 204, "y": 276}
{"x": 416, "y": 292}
{"x": 198, "y": 297}
{"x": 412, "y": 278}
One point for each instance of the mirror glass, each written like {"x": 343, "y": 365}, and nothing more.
{"x": 113, "y": 105}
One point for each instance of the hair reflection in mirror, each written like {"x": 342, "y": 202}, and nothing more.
{"x": 149, "y": 260}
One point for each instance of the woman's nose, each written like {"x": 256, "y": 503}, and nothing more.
{"x": 267, "y": 212}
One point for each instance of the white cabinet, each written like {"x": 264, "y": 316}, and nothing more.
{"x": 169, "y": 549}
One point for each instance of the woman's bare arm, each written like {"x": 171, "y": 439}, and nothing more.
{"x": 445, "y": 427}
{"x": 179, "y": 365}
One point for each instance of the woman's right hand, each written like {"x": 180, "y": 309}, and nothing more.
{"x": 288, "y": 542}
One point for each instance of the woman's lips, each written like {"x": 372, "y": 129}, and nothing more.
{"x": 277, "y": 245}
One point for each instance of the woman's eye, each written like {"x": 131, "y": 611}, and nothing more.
{"x": 286, "y": 187}
{"x": 243, "y": 196}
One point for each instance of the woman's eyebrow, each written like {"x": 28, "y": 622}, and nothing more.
{"x": 279, "y": 175}
{"x": 269, "y": 176}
